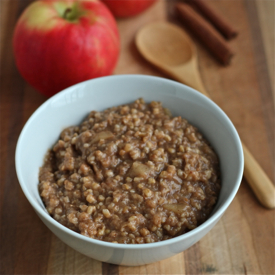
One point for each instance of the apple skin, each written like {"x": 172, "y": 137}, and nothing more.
{"x": 127, "y": 8}
{"x": 53, "y": 53}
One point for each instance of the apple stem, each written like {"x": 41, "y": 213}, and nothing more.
{"x": 67, "y": 13}
{"x": 71, "y": 14}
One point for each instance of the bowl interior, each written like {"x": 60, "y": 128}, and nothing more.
{"x": 72, "y": 105}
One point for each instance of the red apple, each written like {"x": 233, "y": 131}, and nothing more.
{"x": 127, "y": 8}
{"x": 58, "y": 43}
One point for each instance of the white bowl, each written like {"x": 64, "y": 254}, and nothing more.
{"x": 72, "y": 105}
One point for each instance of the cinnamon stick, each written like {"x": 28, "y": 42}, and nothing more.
{"x": 215, "y": 18}
{"x": 205, "y": 32}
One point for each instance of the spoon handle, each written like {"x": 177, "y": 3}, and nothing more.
{"x": 254, "y": 174}
{"x": 258, "y": 180}
{"x": 198, "y": 85}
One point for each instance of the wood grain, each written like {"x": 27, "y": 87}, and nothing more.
{"x": 267, "y": 21}
{"x": 243, "y": 240}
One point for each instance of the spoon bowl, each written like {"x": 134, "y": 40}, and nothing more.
{"x": 151, "y": 40}
{"x": 169, "y": 48}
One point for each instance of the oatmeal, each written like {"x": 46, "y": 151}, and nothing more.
{"x": 131, "y": 174}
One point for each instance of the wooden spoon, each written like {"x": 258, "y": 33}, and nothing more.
{"x": 172, "y": 51}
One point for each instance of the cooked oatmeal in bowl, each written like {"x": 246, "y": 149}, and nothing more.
{"x": 131, "y": 184}
{"x": 131, "y": 174}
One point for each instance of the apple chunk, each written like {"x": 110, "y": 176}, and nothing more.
{"x": 139, "y": 169}
{"x": 177, "y": 208}
{"x": 102, "y": 135}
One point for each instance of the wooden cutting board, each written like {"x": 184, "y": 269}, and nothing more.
{"x": 243, "y": 240}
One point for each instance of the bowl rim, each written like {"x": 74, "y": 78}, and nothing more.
{"x": 182, "y": 237}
